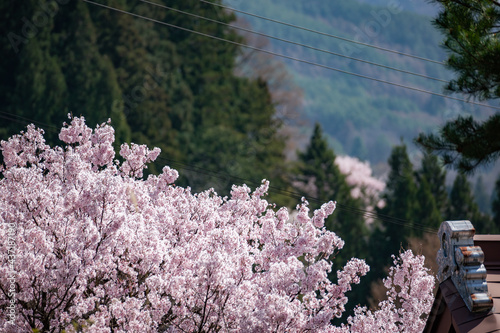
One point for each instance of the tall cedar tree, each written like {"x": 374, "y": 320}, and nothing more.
{"x": 481, "y": 197}
{"x": 395, "y": 219}
{"x": 464, "y": 207}
{"x": 426, "y": 212}
{"x": 470, "y": 28}
{"x": 495, "y": 206}
{"x": 320, "y": 179}
{"x": 234, "y": 131}
{"x": 433, "y": 171}
{"x": 431, "y": 193}
{"x": 156, "y": 100}
{"x": 31, "y": 81}
{"x": 90, "y": 76}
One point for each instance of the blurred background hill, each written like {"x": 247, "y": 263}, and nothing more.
{"x": 362, "y": 118}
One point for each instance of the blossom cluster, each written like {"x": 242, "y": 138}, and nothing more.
{"x": 363, "y": 184}
{"x": 409, "y": 300}
{"x": 359, "y": 177}
{"x": 101, "y": 249}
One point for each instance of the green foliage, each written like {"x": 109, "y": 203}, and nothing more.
{"x": 348, "y": 107}
{"x": 317, "y": 163}
{"x": 427, "y": 212}
{"x": 432, "y": 175}
{"x": 160, "y": 86}
{"x": 57, "y": 70}
{"x": 470, "y": 28}
{"x": 463, "y": 206}
{"x": 394, "y": 225}
{"x": 465, "y": 143}
{"x": 400, "y": 194}
{"x": 495, "y": 205}
{"x": 319, "y": 178}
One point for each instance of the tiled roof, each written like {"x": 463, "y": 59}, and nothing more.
{"x": 449, "y": 311}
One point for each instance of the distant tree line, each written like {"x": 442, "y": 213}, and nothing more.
{"x": 415, "y": 202}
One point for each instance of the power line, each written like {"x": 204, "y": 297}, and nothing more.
{"x": 293, "y": 42}
{"x": 288, "y": 193}
{"x": 292, "y": 58}
{"x": 22, "y": 120}
{"x": 325, "y": 34}
{"x": 295, "y": 195}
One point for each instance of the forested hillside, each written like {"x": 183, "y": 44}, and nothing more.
{"x": 416, "y": 6}
{"x": 160, "y": 86}
{"x": 362, "y": 117}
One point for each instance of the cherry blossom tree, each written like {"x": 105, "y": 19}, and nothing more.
{"x": 94, "y": 247}
{"x": 359, "y": 176}
{"x": 364, "y": 184}
{"x": 408, "y": 284}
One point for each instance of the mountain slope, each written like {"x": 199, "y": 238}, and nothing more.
{"x": 363, "y": 117}
{"x": 416, "y": 6}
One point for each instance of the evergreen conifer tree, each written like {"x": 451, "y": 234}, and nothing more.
{"x": 464, "y": 207}
{"x": 495, "y": 206}
{"x": 426, "y": 212}
{"x": 90, "y": 76}
{"x": 319, "y": 178}
{"x": 155, "y": 99}
{"x": 224, "y": 124}
{"x": 395, "y": 220}
{"x": 40, "y": 89}
{"x": 470, "y": 28}
{"x": 481, "y": 197}
{"x": 462, "y": 204}
{"x": 317, "y": 164}
{"x": 400, "y": 195}
{"x": 31, "y": 82}
{"x": 431, "y": 193}
{"x": 432, "y": 170}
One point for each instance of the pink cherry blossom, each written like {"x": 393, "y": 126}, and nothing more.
{"x": 408, "y": 284}
{"x": 359, "y": 176}
{"x": 363, "y": 184}
{"x": 99, "y": 249}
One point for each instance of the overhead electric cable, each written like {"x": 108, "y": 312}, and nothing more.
{"x": 295, "y": 195}
{"x": 292, "y": 58}
{"x": 22, "y": 120}
{"x": 324, "y": 33}
{"x": 220, "y": 175}
{"x": 293, "y": 42}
